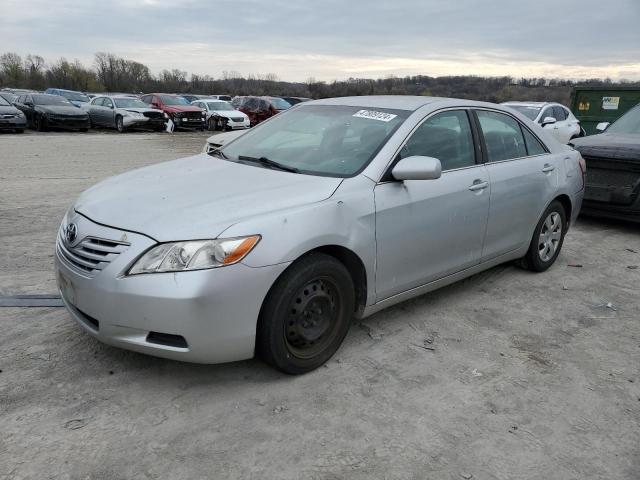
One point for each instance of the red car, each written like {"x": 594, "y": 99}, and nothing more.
{"x": 257, "y": 109}
{"x": 178, "y": 109}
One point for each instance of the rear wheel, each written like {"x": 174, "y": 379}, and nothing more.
{"x": 306, "y": 315}
{"x": 547, "y": 239}
{"x": 120, "y": 124}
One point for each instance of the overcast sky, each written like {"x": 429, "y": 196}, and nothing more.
{"x": 337, "y": 39}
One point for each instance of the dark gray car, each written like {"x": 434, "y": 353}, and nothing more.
{"x": 11, "y": 118}
{"x": 613, "y": 169}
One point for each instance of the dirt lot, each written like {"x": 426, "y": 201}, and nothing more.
{"x": 530, "y": 376}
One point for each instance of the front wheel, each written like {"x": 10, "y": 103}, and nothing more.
{"x": 547, "y": 239}
{"x": 40, "y": 123}
{"x": 306, "y": 315}
{"x": 120, "y": 124}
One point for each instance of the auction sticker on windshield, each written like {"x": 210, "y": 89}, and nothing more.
{"x": 373, "y": 115}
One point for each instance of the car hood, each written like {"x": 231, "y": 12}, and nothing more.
{"x": 229, "y": 113}
{"x": 182, "y": 108}
{"x": 197, "y": 197}
{"x": 622, "y": 146}
{"x": 8, "y": 109}
{"x": 61, "y": 110}
{"x": 140, "y": 109}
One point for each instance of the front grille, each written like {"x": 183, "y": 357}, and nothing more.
{"x": 194, "y": 115}
{"x": 7, "y": 115}
{"x": 153, "y": 114}
{"x": 236, "y": 119}
{"x": 91, "y": 254}
{"x": 617, "y": 178}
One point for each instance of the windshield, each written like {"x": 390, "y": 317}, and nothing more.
{"x": 75, "y": 96}
{"x": 169, "y": 100}
{"x": 50, "y": 100}
{"x": 130, "y": 103}
{"x": 9, "y": 97}
{"x": 280, "y": 104}
{"x": 531, "y": 112}
{"x": 3, "y": 102}
{"x": 220, "y": 106}
{"x": 628, "y": 123}
{"x": 337, "y": 141}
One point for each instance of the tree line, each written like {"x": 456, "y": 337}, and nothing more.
{"x": 111, "y": 73}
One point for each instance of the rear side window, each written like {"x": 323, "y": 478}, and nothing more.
{"x": 502, "y": 136}
{"x": 445, "y": 136}
{"x": 534, "y": 147}
{"x": 559, "y": 113}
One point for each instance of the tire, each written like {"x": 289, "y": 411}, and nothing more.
{"x": 40, "y": 124}
{"x": 547, "y": 240}
{"x": 211, "y": 124}
{"x": 120, "y": 124}
{"x": 306, "y": 315}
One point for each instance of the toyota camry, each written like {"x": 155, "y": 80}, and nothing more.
{"x": 333, "y": 210}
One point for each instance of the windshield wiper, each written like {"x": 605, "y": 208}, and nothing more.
{"x": 269, "y": 162}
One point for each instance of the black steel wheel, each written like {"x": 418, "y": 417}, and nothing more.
{"x": 306, "y": 314}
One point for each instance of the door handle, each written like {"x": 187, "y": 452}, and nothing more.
{"x": 478, "y": 185}
{"x": 548, "y": 168}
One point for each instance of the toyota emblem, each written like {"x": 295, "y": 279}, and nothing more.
{"x": 71, "y": 233}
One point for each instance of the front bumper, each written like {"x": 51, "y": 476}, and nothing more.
{"x": 67, "y": 123}
{"x": 143, "y": 122}
{"x": 183, "y": 122}
{"x": 592, "y": 208}
{"x": 214, "y": 311}
{"x": 13, "y": 123}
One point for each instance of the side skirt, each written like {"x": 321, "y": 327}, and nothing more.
{"x": 442, "y": 282}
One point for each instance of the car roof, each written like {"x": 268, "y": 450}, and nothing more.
{"x": 398, "y": 102}
{"x": 529, "y": 104}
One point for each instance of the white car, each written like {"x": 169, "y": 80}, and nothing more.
{"x": 554, "y": 117}
{"x": 216, "y": 141}
{"x": 221, "y": 115}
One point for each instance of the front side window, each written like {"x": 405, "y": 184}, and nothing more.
{"x": 108, "y": 103}
{"x": 559, "y": 113}
{"x": 329, "y": 140}
{"x": 445, "y": 136}
{"x": 548, "y": 112}
{"x": 502, "y": 136}
{"x": 96, "y": 101}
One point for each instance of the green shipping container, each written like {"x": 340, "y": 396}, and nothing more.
{"x": 592, "y": 105}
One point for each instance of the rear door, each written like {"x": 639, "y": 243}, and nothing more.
{"x": 428, "y": 229}
{"x": 524, "y": 180}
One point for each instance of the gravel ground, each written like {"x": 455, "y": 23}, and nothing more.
{"x": 526, "y": 376}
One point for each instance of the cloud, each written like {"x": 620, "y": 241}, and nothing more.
{"x": 331, "y": 39}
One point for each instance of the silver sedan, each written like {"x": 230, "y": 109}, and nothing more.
{"x": 123, "y": 113}
{"x": 332, "y": 210}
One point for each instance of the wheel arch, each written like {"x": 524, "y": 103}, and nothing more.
{"x": 352, "y": 262}
{"x": 565, "y": 201}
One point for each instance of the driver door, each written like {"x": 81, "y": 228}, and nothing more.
{"x": 428, "y": 229}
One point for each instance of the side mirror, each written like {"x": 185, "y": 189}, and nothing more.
{"x": 548, "y": 121}
{"x": 417, "y": 168}
{"x": 602, "y": 126}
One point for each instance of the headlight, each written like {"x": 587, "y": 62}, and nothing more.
{"x": 165, "y": 115}
{"x": 20, "y": 113}
{"x": 134, "y": 114}
{"x": 194, "y": 255}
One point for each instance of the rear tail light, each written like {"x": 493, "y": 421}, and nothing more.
{"x": 583, "y": 168}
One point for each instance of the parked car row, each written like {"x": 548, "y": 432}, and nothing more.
{"x": 123, "y": 111}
